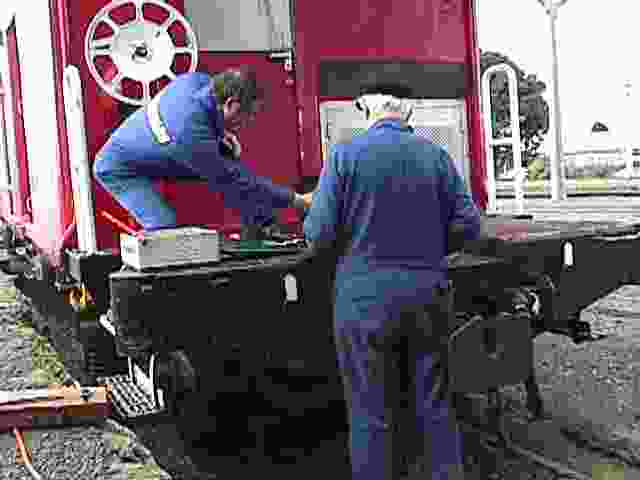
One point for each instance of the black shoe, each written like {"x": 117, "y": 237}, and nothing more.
{"x": 133, "y": 346}
{"x": 130, "y": 341}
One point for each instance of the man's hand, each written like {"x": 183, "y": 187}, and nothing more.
{"x": 307, "y": 198}
{"x": 303, "y": 202}
{"x": 231, "y": 141}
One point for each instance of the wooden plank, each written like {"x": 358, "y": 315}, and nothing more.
{"x": 63, "y": 406}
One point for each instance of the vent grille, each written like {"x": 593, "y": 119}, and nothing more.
{"x": 442, "y": 123}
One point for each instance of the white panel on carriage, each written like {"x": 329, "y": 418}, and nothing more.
{"x": 240, "y": 25}
{"x": 5, "y": 178}
{"x": 79, "y": 160}
{"x": 5, "y": 166}
{"x": 8, "y": 110}
{"x": 33, "y": 27}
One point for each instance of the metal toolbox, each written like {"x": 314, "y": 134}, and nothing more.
{"x": 170, "y": 247}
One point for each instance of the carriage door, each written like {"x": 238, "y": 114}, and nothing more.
{"x": 232, "y": 33}
{"x": 21, "y": 197}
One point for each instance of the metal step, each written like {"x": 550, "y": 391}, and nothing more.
{"x": 107, "y": 324}
{"x": 130, "y": 401}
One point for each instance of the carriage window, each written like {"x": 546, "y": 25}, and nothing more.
{"x": 234, "y": 26}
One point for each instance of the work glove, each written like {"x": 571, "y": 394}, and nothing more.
{"x": 303, "y": 202}
{"x": 307, "y": 198}
{"x": 233, "y": 144}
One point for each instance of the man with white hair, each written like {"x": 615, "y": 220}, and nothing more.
{"x": 391, "y": 206}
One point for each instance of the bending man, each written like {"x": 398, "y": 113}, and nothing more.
{"x": 190, "y": 130}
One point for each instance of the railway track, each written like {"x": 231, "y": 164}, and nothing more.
{"x": 304, "y": 447}
{"x": 258, "y": 434}
{"x": 261, "y": 434}
{"x": 505, "y": 460}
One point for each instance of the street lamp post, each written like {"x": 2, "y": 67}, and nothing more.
{"x": 558, "y": 191}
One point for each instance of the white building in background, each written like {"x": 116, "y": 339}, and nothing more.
{"x": 607, "y": 148}
{"x": 587, "y": 158}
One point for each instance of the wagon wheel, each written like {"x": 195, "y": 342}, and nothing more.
{"x": 142, "y": 50}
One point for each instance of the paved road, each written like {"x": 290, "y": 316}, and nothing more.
{"x": 624, "y": 210}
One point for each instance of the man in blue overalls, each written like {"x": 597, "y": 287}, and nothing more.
{"x": 190, "y": 130}
{"x": 389, "y": 204}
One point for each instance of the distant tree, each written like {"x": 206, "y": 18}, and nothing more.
{"x": 534, "y": 110}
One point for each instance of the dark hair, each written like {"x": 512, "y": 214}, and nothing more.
{"x": 240, "y": 83}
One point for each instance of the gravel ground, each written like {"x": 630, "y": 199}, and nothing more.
{"x": 15, "y": 349}
{"x": 105, "y": 451}
{"x": 590, "y": 392}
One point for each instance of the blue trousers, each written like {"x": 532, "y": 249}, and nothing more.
{"x": 398, "y": 424}
{"x": 138, "y": 194}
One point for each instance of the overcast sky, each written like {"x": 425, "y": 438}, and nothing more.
{"x": 596, "y": 55}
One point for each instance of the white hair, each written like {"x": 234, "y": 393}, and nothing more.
{"x": 379, "y": 105}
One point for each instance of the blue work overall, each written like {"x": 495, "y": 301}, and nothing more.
{"x": 179, "y": 136}
{"x": 384, "y": 203}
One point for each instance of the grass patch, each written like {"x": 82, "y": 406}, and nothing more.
{"x": 578, "y": 185}
{"x": 8, "y": 294}
{"x": 136, "y": 471}
{"x": 48, "y": 368}
{"x": 24, "y": 329}
{"x": 46, "y": 361}
{"x": 117, "y": 441}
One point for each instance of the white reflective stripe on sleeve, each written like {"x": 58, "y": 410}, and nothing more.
{"x": 155, "y": 120}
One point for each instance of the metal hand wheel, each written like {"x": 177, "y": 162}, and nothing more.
{"x": 141, "y": 49}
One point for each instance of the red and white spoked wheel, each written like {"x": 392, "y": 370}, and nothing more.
{"x": 141, "y": 49}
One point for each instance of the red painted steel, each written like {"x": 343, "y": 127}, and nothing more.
{"x": 59, "y": 34}
{"x": 22, "y": 196}
{"x": 478, "y": 173}
{"x": 423, "y": 32}
{"x": 270, "y": 146}
{"x": 101, "y": 111}
{"x": 284, "y": 143}
{"x": 193, "y": 201}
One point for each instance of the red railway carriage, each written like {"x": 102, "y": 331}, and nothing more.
{"x": 313, "y": 56}
{"x": 71, "y": 71}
